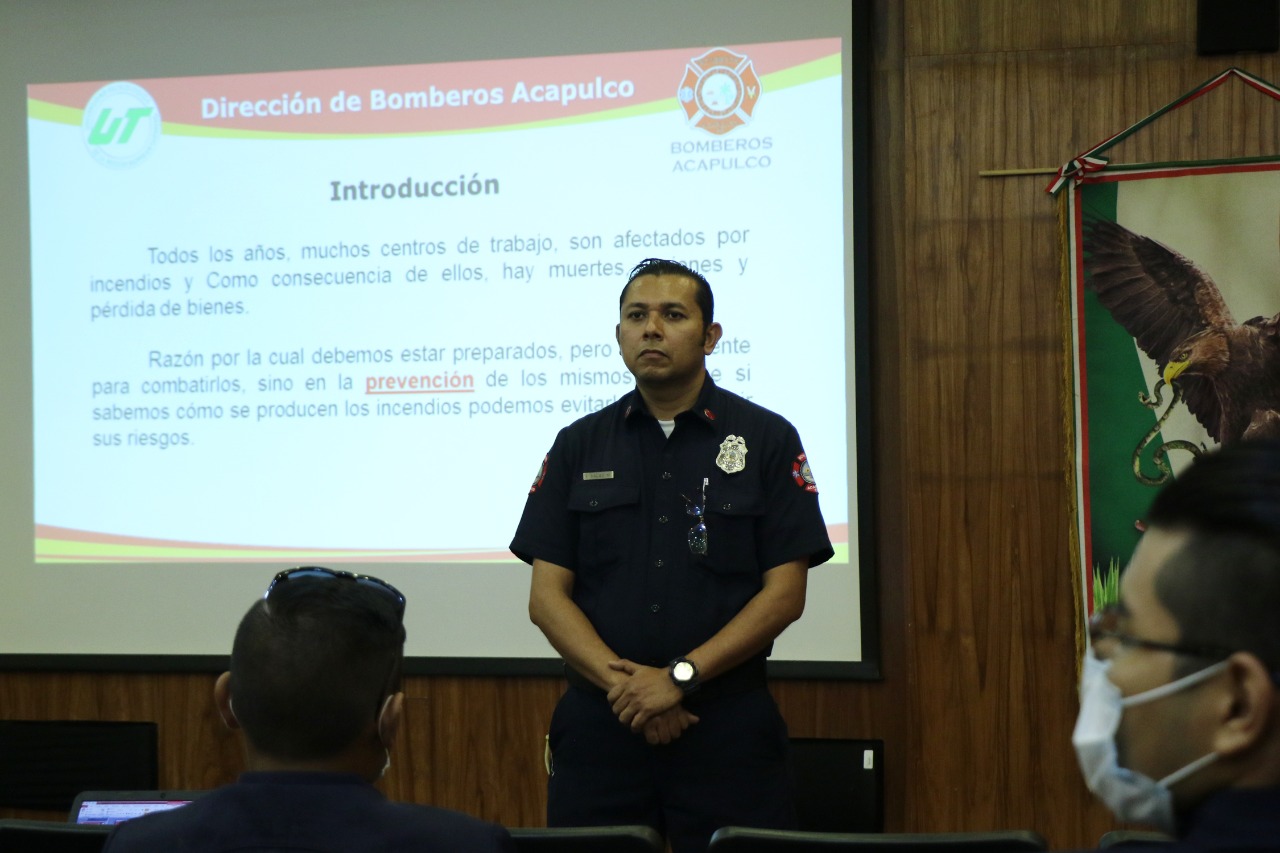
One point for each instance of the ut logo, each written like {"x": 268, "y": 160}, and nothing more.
{"x": 104, "y": 133}
{"x": 121, "y": 125}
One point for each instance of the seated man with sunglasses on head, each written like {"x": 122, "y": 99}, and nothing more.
{"x": 314, "y": 688}
{"x": 1179, "y": 724}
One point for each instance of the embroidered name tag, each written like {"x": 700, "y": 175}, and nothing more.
{"x": 597, "y": 475}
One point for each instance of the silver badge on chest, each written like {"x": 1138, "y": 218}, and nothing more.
{"x": 733, "y": 454}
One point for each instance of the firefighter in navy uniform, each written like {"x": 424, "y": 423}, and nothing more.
{"x": 670, "y": 536}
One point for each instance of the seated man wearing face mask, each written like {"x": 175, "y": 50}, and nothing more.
{"x": 314, "y": 688}
{"x": 1179, "y": 723}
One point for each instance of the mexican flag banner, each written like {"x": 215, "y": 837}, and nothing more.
{"x": 1174, "y": 273}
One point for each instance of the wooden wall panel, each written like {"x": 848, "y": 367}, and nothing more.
{"x": 476, "y": 744}
{"x": 954, "y": 27}
{"x": 996, "y": 85}
{"x": 971, "y": 497}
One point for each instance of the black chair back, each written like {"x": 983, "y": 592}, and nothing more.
{"x": 587, "y": 839}
{"x": 1132, "y": 838}
{"x": 739, "y": 839}
{"x": 42, "y": 836}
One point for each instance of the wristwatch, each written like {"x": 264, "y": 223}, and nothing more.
{"x": 684, "y": 674}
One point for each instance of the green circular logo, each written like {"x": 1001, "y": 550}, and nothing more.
{"x": 121, "y": 125}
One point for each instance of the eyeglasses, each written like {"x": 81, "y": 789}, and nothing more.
{"x": 698, "y": 533}
{"x": 321, "y": 573}
{"x": 1103, "y": 624}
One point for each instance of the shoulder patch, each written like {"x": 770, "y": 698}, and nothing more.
{"x": 802, "y": 475}
{"x": 542, "y": 473}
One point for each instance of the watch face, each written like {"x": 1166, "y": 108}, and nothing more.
{"x": 682, "y": 671}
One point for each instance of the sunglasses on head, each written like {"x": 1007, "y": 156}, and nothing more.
{"x": 320, "y": 573}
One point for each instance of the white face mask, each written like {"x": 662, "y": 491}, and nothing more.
{"x": 1131, "y": 796}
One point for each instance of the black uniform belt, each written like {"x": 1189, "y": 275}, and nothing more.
{"x": 740, "y": 679}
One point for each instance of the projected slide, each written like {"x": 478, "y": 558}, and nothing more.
{"x": 340, "y": 314}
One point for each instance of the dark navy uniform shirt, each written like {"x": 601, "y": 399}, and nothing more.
{"x": 305, "y": 812}
{"x": 610, "y": 504}
{"x": 1230, "y": 819}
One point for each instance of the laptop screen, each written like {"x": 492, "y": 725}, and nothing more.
{"x": 106, "y": 809}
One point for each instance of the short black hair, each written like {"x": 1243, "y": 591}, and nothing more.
{"x": 661, "y": 266}
{"x": 311, "y": 668}
{"x": 1223, "y": 586}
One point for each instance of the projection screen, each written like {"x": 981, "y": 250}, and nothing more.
{"x": 317, "y": 283}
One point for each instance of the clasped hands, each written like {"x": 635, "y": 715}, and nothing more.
{"x": 648, "y": 701}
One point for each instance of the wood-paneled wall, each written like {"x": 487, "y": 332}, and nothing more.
{"x": 971, "y": 344}
{"x": 972, "y": 494}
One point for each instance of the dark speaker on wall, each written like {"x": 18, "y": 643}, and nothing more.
{"x": 1237, "y": 26}
{"x": 45, "y": 763}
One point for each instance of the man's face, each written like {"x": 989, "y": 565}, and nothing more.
{"x": 1163, "y": 735}
{"x": 660, "y": 332}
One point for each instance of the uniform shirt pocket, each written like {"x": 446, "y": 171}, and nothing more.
{"x": 608, "y": 514}
{"x": 732, "y": 517}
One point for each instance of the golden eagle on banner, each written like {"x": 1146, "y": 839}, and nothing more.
{"x": 1228, "y": 372}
